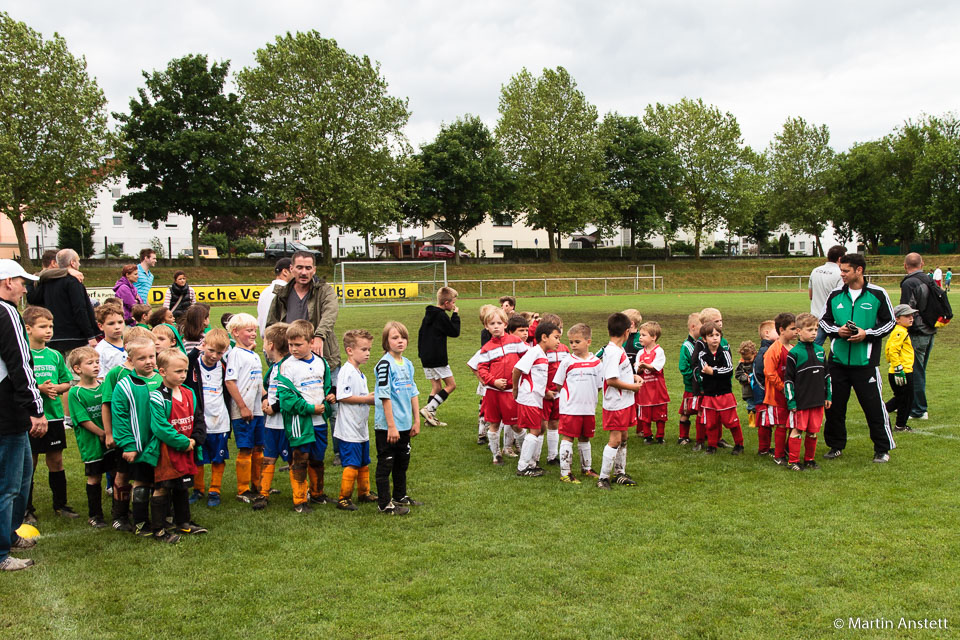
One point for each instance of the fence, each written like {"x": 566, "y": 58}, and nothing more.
{"x": 875, "y": 278}
{"x": 556, "y": 286}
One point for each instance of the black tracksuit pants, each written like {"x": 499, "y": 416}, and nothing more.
{"x": 902, "y": 399}
{"x": 392, "y": 460}
{"x": 868, "y": 385}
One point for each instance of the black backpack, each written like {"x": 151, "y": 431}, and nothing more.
{"x": 936, "y": 304}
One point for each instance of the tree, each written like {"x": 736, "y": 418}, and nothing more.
{"x": 461, "y": 179}
{"x": 187, "y": 149}
{"x": 801, "y": 161}
{"x": 548, "y": 133}
{"x": 642, "y": 177}
{"x": 865, "y": 194}
{"x": 76, "y": 235}
{"x": 748, "y": 215}
{"x": 327, "y": 132}
{"x": 707, "y": 143}
{"x": 54, "y": 138}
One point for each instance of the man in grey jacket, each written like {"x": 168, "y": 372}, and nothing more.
{"x": 914, "y": 291}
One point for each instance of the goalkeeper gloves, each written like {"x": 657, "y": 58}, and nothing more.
{"x": 899, "y": 377}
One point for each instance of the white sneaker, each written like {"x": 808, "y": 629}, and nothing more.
{"x": 429, "y": 417}
{"x": 925, "y": 416}
{"x": 881, "y": 458}
{"x": 15, "y": 564}
{"x": 23, "y": 543}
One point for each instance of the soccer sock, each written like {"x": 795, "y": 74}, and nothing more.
{"x": 244, "y": 463}
{"x": 266, "y": 478}
{"x": 120, "y": 510}
{"x": 763, "y": 438}
{"x": 493, "y": 441}
{"x": 527, "y": 451}
{"x": 586, "y": 455}
{"x": 684, "y": 429}
{"x": 481, "y": 426}
{"x": 620, "y": 461}
{"x": 141, "y": 510}
{"x": 437, "y": 400}
{"x": 363, "y": 481}
{"x": 216, "y": 476}
{"x": 661, "y": 429}
{"x": 566, "y": 457}
{"x": 713, "y": 435}
{"x": 58, "y": 487}
{"x": 700, "y": 431}
{"x": 95, "y": 501}
{"x": 553, "y": 443}
{"x": 256, "y": 467}
{"x": 737, "y": 433}
{"x": 752, "y": 419}
{"x": 159, "y": 505}
{"x": 347, "y": 480}
{"x": 809, "y": 446}
{"x": 780, "y": 441}
{"x": 315, "y": 471}
{"x": 508, "y": 436}
{"x": 298, "y": 477}
{"x": 794, "y": 443}
{"x": 518, "y": 438}
{"x": 181, "y": 506}
{"x": 644, "y": 429}
{"x": 609, "y": 453}
{"x": 198, "y": 479}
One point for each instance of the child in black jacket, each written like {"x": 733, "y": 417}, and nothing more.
{"x": 432, "y": 348}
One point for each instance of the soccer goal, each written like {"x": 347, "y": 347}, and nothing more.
{"x": 389, "y": 282}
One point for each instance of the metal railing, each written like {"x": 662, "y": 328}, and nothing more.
{"x": 870, "y": 277}
{"x": 557, "y": 286}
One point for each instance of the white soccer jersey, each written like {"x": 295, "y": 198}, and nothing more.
{"x": 659, "y": 358}
{"x": 352, "y": 419}
{"x": 245, "y": 368}
{"x": 110, "y": 357}
{"x": 616, "y": 364}
{"x": 307, "y": 377}
{"x": 579, "y": 380}
{"x": 215, "y": 412}
{"x": 474, "y": 364}
{"x": 533, "y": 381}
{"x": 274, "y": 421}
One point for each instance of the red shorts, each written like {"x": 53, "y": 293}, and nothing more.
{"x": 578, "y": 426}
{"x": 689, "y": 404}
{"x": 551, "y": 409}
{"x": 499, "y": 406}
{"x": 808, "y": 420}
{"x": 529, "y": 417}
{"x": 718, "y": 411}
{"x": 652, "y": 413}
{"x": 620, "y": 420}
{"x": 771, "y": 415}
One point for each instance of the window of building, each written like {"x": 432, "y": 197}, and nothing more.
{"x": 791, "y": 246}
{"x": 802, "y": 243}
{"x": 284, "y": 232}
{"x": 399, "y": 227}
{"x": 501, "y": 220}
{"x": 296, "y": 235}
{"x": 118, "y": 221}
{"x": 116, "y": 192}
{"x": 500, "y": 245}
{"x": 343, "y": 252}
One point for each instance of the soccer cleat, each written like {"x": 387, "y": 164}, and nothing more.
{"x": 723, "y": 444}
{"x": 336, "y": 460}
{"x": 922, "y": 416}
{"x": 510, "y": 452}
{"x": 23, "y": 543}
{"x": 394, "y": 509}
{"x": 833, "y": 454}
{"x": 320, "y": 498}
{"x": 811, "y": 465}
{"x": 407, "y": 501}
{"x": 793, "y": 466}
{"x": 904, "y": 428}
{"x": 430, "y": 417}
{"x": 247, "y": 496}
{"x": 697, "y": 447}
{"x": 530, "y": 472}
{"x": 498, "y": 459}
{"x": 213, "y": 499}
{"x": 97, "y": 522}
{"x": 164, "y": 536}
{"x": 481, "y": 439}
{"x": 274, "y": 492}
{"x": 143, "y": 530}
{"x": 553, "y": 462}
{"x": 346, "y": 504}
{"x": 283, "y": 469}
{"x": 30, "y": 518}
{"x": 624, "y": 480}
{"x": 121, "y": 525}
{"x": 259, "y": 503}
{"x": 15, "y": 564}
{"x": 196, "y": 496}
{"x": 66, "y": 512}
{"x": 603, "y": 483}
{"x": 441, "y": 423}
{"x": 737, "y": 450}
{"x": 711, "y": 450}
{"x": 683, "y": 441}
{"x": 780, "y": 461}
{"x": 569, "y": 479}
{"x": 881, "y": 457}
{"x": 590, "y": 473}
{"x": 764, "y": 452}
{"x": 303, "y": 507}
{"x": 366, "y": 498}
{"x": 659, "y": 440}
{"x": 191, "y": 528}
{"x": 648, "y": 440}
{"x": 772, "y": 451}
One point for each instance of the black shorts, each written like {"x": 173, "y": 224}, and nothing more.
{"x": 183, "y": 482}
{"x": 55, "y": 439}
{"x": 141, "y": 472}
{"x": 106, "y": 464}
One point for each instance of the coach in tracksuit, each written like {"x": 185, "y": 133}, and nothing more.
{"x": 855, "y": 356}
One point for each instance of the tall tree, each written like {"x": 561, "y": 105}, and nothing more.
{"x": 54, "y": 138}
{"x": 641, "y": 179}
{"x": 187, "y": 149}
{"x": 708, "y": 144}
{"x": 866, "y": 196}
{"x": 548, "y": 133}
{"x": 327, "y": 132}
{"x": 748, "y": 215}
{"x": 462, "y": 178}
{"x": 801, "y": 161}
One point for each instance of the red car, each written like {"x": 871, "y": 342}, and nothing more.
{"x": 441, "y": 251}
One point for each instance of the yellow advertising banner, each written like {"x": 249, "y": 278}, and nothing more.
{"x": 240, "y": 293}
{"x": 386, "y": 291}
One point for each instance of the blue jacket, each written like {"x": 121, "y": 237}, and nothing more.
{"x": 758, "y": 377}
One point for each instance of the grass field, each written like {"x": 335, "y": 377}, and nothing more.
{"x": 707, "y": 547}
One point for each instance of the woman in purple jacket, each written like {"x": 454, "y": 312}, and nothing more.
{"x": 127, "y": 292}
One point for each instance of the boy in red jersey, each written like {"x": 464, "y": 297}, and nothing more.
{"x": 775, "y": 413}
{"x": 551, "y": 405}
{"x": 619, "y": 412}
{"x": 718, "y": 406}
{"x": 652, "y": 398}
{"x": 529, "y": 388}
{"x": 808, "y": 391}
{"x": 578, "y": 377}
{"x": 497, "y": 359}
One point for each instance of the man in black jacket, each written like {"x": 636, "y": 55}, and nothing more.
{"x": 22, "y": 416}
{"x": 60, "y": 291}
{"x": 915, "y": 291}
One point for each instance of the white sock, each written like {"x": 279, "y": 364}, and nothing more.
{"x": 493, "y": 441}
{"x": 508, "y": 436}
{"x": 482, "y": 426}
{"x": 539, "y": 446}
{"x": 553, "y": 442}
{"x": 620, "y": 463}
{"x": 527, "y": 450}
{"x": 586, "y": 455}
{"x": 519, "y": 438}
{"x": 566, "y": 457}
{"x": 609, "y": 453}
{"x": 436, "y": 401}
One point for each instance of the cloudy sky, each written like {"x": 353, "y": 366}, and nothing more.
{"x": 861, "y": 68}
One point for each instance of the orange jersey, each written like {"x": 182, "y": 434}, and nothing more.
{"x": 774, "y": 369}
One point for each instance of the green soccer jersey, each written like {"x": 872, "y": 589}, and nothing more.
{"x": 117, "y": 374}
{"x": 85, "y": 406}
{"x": 49, "y": 365}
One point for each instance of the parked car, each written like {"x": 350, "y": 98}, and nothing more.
{"x": 205, "y": 252}
{"x": 441, "y": 251}
{"x": 256, "y": 255}
{"x": 277, "y": 250}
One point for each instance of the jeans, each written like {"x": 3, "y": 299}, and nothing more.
{"x": 922, "y": 346}
{"x": 16, "y": 470}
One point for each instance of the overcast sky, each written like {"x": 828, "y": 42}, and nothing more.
{"x": 861, "y": 68}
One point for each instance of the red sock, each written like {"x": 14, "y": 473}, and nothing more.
{"x": 809, "y": 447}
{"x": 661, "y": 429}
{"x": 794, "y": 450}
{"x": 643, "y": 428}
{"x": 763, "y": 439}
{"x": 713, "y": 435}
{"x": 701, "y": 431}
{"x": 780, "y": 442}
{"x": 684, "y": 430}
{"x": 737, "y": 433}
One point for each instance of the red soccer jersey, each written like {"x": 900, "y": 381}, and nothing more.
{"x": 172, "y": 463}
{"x": 654, "y": 389}
{"x": 497, "y": 359}
{"x": 554, "y": 358}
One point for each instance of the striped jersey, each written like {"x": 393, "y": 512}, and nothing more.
{"x": 579, "y": 380}
{"x": 654, "y": 389}
{"x": 534, "y": 369}
{"x": 497, "y": 359}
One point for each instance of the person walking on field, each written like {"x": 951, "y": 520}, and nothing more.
{"x": 148, "y": 259}
{"x": 823, "y": 280}
{"x": 915, "y": 292}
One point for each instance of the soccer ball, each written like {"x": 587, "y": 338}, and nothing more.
{"x": 28, "y": 531}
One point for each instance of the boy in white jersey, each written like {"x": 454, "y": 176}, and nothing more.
{"x": 275, "y": 444}
{"x": 244, "y": 383}
{"x": 578, "y": 379}
{"x": 619, "y": 389}
{"x": 529, "y": 389}
{"x": 205, "y": 376}
{"x": 110, "y": 349}
{"x": 352, "y": 419}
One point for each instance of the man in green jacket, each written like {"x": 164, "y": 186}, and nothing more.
{"x": 857, "y": 316}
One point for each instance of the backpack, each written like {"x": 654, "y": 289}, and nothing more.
{"x": 936, "y": 305}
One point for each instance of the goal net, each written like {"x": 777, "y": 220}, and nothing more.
{"x": 389, "y": 282}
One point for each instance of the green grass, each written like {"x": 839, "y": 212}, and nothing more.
{"x": 717, "y": 547}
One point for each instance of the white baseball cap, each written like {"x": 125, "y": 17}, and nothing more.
{"x": 12, "y": 269}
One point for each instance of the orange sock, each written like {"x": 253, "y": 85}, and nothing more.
{"x": 266, "y": 479}
{"x": 347, "y": 481}
{"x": 244, "y": 462}
{"x": 298, "y": 478}
{"x": 256, "y": 467}
{"x": 363, "y": 481}
{"x": 315, "y": 471}
{"x": 216, "y": 476}
{"x": 198, "y": 483}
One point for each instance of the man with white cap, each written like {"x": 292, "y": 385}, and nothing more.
{"x": 22, "y": 416}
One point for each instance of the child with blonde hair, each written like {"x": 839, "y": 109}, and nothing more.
{"x": 244, "y": 383}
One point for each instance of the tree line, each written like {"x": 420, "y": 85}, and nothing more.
{"x": 313, "y": 131}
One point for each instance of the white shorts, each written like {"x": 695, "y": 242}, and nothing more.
{"x": 438, "y": 373}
